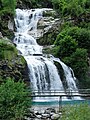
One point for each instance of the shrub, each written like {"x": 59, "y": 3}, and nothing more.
{"x": 13, "y": 100}
{"x": 81, "y": 35}
{"x": 74, "y": 9}
{"x": 67, "y": 46}
{"x": 78, "y": 61}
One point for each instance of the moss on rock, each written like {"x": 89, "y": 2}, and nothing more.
{"x": 11, "y": 64}
{"x": 14, "y": 69}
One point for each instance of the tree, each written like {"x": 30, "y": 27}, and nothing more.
{"x": 67, "y": 46}
{"x": 81, "y": 35}
{"x": 78, "y": 61}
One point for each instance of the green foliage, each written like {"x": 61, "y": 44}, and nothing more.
{"x": 7, "y": 50}
{"x": 8, "y": 6}
{"x": 81, "y": 35}
{"x": 13, "y": 100}
{"x": 67, "y": 46}
{"x": 76, "y": 112}
{"x": 73, "y": 8}
{"x": 78, "y": 61}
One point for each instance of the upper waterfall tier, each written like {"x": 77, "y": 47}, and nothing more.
{"x": 26, "y": 20}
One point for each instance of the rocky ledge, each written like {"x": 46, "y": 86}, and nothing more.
{"x": 15, "y": 68}
{"x": 47, "y": 114}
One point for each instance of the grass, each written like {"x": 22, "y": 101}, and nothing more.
{"x": 76, "y": 112}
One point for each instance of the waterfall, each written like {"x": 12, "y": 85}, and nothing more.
{"x": 43, "y": 73}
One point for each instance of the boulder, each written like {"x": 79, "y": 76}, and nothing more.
{"x": 55, "y": 117}
{"x": 50, "y": 110}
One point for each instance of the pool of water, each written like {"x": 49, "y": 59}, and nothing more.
{"x": 56, "y": 103}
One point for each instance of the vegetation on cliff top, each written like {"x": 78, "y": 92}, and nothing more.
{"x": 7, "y": 50}
{"x": 7, "y": 12}
{"x": 7, "y": 7}
{"x": 11, "y": 64}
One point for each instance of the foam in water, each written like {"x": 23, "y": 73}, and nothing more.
{"x": 43, "y": 73}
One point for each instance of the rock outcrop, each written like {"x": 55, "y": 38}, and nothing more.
{"x": 48, "y": 114}
{"x": 30, "y": 4}
{"x": 12, "y": 65}
{"x": 6, "y": 26}
{"x": 15, "y": 69}
{"x": 47, "y": 28}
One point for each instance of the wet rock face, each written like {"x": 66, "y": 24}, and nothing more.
{"x": 5, "y": 26}
{"x": 48, "y": 114}
{"x": 24, "y": 4}
{"x": 48, "y": 28}
{"x": 15, "y": 69}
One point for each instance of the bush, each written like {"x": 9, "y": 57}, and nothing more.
{"x": 73, "y": 54}
{"x": 81, "y": 35}
{"x": 67, "y": 46}
{"x": 78, "y": 61}
{"x": 76, "y": 112}
{"x": 13, "y": 100}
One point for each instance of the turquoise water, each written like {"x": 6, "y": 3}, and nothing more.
{"x": 68, "y": 102}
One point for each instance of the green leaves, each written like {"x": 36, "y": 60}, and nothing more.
{"x": 78, "y": 61}
{"x": 13, "y": 100}
{"x": 71, "y": 8}
{"x": 8, "y": 6}
{"x": 67, "y": 46}
{"x": 81, "y": 35}
{"x": 76, "y": 112}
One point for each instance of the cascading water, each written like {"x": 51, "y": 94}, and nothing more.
{"x": 43, "y": 73}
